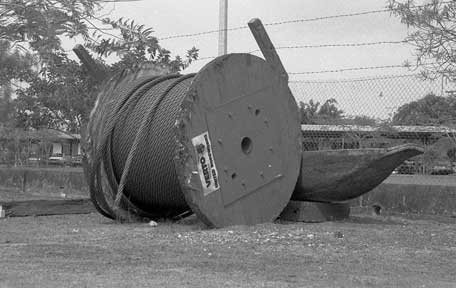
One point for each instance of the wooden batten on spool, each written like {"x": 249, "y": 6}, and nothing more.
{"x": 94, "y": 69}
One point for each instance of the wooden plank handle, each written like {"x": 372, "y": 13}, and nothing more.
{"x": 266, "y": 46}
{"x": 94, "y": 69}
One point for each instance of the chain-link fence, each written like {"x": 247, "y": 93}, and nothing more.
{"x": 382, "y": 112}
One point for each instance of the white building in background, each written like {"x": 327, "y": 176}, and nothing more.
{"x": 17, "y": 146}
{"x": 57, "y": 148}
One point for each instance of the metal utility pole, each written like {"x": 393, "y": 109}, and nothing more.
{"x": 223, "y": 25}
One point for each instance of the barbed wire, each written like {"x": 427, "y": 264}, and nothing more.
{"x": 348, "y": 69}
{"x": 245, "y": 26}
{"x": 298, "y": 46}
{"x": 339, "y": 45}
{"x": 327, "y": 17}
{"x": 202, "y": 33}
{"x": 362, "y": 79}
{"x": 292, "y": 21}
{"x": 272, "y": 24}
{"x": 335, "y": 45}
{"x": 205, "y": 58}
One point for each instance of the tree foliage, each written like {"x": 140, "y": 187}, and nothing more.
{"x": 137, "y": 47}
{"x": 317, "y": 113}
{"x": 361, "y": 120}
{"x": 14, "y": 65}
{"x": 56, "y": 91}
{"x": 451, "y": 153}
{"x": 434, "y": 35}
{"x": 429, "y": 110}
{"x": 59, "y": 98}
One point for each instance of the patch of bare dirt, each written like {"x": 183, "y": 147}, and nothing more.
{"x": 16, "y": 194}
{"x": 91, "y": 251}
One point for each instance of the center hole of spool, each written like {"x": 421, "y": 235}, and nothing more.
{"x": 246, "y": 145}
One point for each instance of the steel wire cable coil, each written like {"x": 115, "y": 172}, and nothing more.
{"x": 136, "y": 121}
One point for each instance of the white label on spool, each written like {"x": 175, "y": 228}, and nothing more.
{"x": 206, "y": 163}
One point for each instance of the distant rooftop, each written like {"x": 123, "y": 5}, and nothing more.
{"x": 337, "y": 130}
{"x": 39, "y": 134}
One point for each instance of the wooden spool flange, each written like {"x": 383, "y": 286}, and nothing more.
{"x": 239, "y": 142}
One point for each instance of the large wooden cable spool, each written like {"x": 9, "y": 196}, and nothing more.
{"x": 250, "y": 120}
{"x": 225, "y": 143}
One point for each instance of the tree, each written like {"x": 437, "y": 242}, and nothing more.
{"x": 58, "y": 91}
{"x": 14, "y": 65}
{"x": 434, "y": 35}
{"x": 361, "y": 120}
{"x": 451, "y": 153}
{"x": 39, "y": 24}
{"x": 137, "y": 47}
{"x": 317, "y": 113}
{"x": 430, "y": 110}
{"x": 59, "y": 98}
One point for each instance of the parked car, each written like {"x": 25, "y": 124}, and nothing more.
{"x": 407, "y": 167}
{"x": 59, "y": 159}
{"x": 34, "y": 160}
{"x": 442, "y": 169}
{"x": 76, "y": 160}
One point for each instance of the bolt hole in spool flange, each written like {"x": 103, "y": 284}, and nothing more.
{"x": 246, "y": 145}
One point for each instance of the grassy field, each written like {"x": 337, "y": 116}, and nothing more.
{"x": 91, "y": 251}
{"x": 445, "y": 180}
{"x": 16, "y": 194}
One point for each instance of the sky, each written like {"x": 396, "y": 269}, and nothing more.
{"x": 176, "y": 17}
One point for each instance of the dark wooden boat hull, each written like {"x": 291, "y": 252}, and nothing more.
{"x": 340, "y": 175}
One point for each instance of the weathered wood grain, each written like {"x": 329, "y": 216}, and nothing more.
{"x": 46, "y": 207}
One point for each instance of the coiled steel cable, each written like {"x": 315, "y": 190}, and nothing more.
{"x": 134, "y": 148}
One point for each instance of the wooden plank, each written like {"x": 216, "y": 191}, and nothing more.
{"x": 94, "y": 69}
{"x": 305, "y": 211}
{"x": 266, "y": 46}
{"x": 46, "y": 207}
